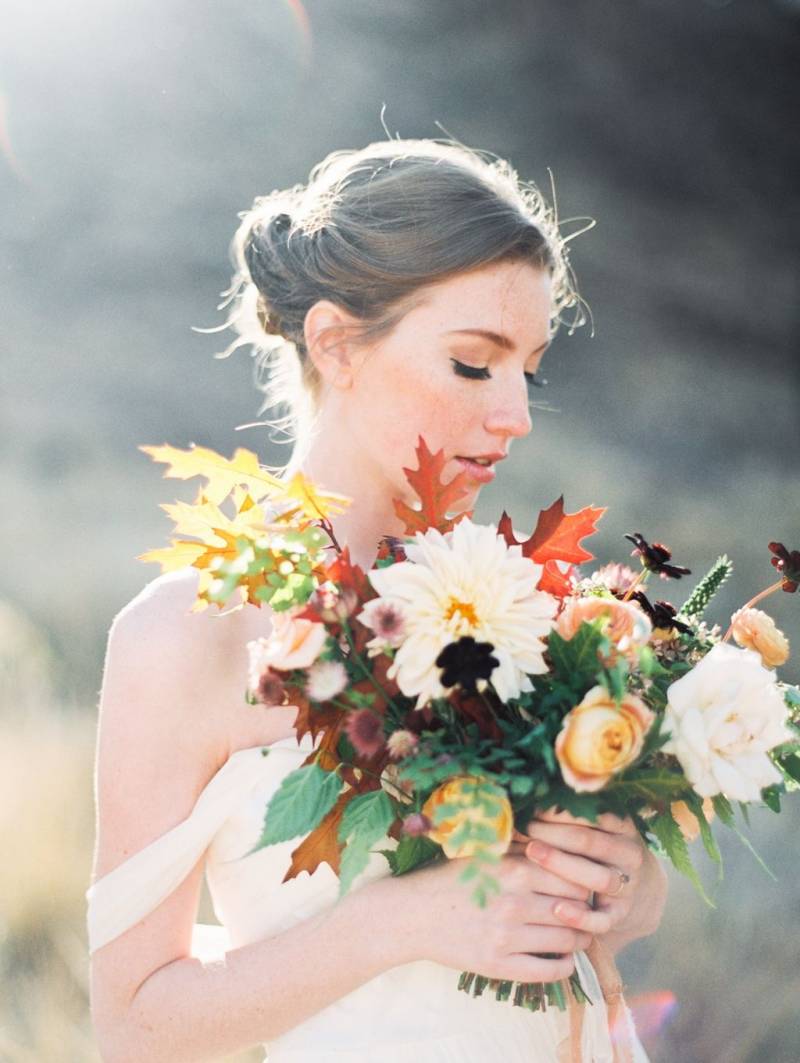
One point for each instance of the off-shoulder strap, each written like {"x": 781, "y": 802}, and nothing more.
{"x": 136, "y": 887}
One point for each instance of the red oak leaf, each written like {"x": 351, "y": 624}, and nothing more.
{"x": 436, "y": 497}
{"x": 557, "y": 534}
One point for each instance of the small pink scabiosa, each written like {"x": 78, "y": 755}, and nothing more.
{"x": 401, "y": 743}
{"x": 364, "y": 728}
{"x": 326, "y": 679}
{"x": 415, "y": 824}
{"x": 386, "y": 618}
{"x": 616, "y": 577}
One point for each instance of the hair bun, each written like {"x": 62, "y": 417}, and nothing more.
{"x": 267, "y": 318}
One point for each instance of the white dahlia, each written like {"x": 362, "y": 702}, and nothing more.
{"x": 466, "y": 582}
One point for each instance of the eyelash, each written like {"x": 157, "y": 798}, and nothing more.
{"x": 474, "y": 372}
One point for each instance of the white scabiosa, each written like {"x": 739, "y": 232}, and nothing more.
{"x": 466, "y": 582}
{"x": 325, "y": 680}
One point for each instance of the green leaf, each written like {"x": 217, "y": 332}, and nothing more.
{"x": 771, "y": 796}
{"x": 695, "y": 803}
{"x": 365, "y": 820}
{"x": 723, "y": 809}
{"x": 674, "y": 844}
{"x": 302, "y": 800}
{"x": 575, "y": 661}
{"x": 411, "y": 852}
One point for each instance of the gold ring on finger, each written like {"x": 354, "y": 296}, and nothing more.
{"x": 623, "y": 881}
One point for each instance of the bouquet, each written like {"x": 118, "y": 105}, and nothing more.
{"x": 472, "y": 678}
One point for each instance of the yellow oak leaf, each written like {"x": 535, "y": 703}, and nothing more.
{"x": 223, "y": 474}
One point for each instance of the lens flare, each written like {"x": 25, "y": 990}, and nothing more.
{"x": 651, "y": 1012}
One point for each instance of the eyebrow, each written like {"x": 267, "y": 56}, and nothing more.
{"x": 497, "y": 338}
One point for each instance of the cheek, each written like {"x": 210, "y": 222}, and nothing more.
{"x": 400, "y": 406}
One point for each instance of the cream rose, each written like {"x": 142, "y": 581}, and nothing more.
{"x": 755, "y": 630}
{"x": 723, "y": 717}
{"x": 292, "y": 643}
{"x": 627, "y": 626}
{"x": 599, "y": 738}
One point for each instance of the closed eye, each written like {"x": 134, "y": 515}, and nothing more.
{"x": 476, "y": 372}
{"x": 472, "y": 372}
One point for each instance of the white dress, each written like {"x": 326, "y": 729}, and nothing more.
{"x": 376, "y": 1021}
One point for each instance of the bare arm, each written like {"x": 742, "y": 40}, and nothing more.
{"x": 151, "y": 1000}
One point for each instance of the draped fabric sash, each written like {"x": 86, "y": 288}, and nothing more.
{"x": 611, "y": 985}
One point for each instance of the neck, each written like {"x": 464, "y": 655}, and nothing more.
{"x": 332, "y": 464}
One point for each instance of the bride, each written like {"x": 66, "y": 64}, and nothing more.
{"x": 410, "y": 288}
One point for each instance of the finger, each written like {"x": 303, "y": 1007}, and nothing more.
{"x": 615, "y": 849}
{"x": 606, "y": 821}
{"x": 543, "y": 881}
{"x": 560, "y": 939}
{"x": 583, "y": 918}
{"x": 522, "y": 967}
{"x": 585, "y": 872}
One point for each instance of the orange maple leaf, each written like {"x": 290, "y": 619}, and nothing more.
{"x": 557, "y": 534}
{"x": 322, "y": 844}
{"x": 436, "y": 497}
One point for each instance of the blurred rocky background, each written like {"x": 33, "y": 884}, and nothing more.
{"x": 132, "y": 133}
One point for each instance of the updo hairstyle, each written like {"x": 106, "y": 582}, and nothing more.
{"x": 369, "y": 229}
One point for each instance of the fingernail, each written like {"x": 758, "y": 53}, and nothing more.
{"x": 564, "y": 911}
{"x": 537, "y": 850}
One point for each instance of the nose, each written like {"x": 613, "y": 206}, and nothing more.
{"x": 509, "y": 415}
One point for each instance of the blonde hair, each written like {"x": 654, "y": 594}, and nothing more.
{"x": 370, "y": 228}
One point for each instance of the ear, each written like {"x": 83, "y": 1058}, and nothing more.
{"x": 329, "y": 331}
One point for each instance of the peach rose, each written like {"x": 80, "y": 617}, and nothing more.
{"x": 479, "y": 802}
{"x": 754, "y": 630}
{"x": 292, "y": 643}
{"x": 687, "y": 820}
{"x": 599, "y": 738}
{"x": 628, "y": 627}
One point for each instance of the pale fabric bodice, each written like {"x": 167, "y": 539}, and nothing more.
{"x": 412, "y": 1013}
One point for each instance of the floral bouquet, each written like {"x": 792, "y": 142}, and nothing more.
{"x": 470, "y": 679}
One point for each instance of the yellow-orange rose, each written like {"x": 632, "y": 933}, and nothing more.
{"x": 687, "y": 820}
{"x": 480, "y": 802}
{"x": 599, "y": 738}
{"x": 755, "y": 630}
{"x": 627, "y": 626}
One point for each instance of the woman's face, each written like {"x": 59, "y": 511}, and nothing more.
{"x": 456, "y": 370}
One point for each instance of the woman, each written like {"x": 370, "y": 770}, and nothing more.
{"x": 411, "y": 288}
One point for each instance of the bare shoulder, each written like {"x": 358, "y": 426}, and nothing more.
{"x": 171, "y": 711}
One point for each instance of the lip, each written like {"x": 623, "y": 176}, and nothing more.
{"x": 484, "y": 474}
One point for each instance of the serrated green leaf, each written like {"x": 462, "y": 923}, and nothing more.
{"x": 299, "y": 805}
{"x": 695, "y": 803}
{"x": 365, "y": 820}
{"x": 674, "y": 844}
{"x": 411, "y": 852}
{"x": 723, "y": 809}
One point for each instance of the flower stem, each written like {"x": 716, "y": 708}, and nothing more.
{"x": 636, "y": 583}
{"x": 758, "y": 597}
{"x": 356, "y": 657}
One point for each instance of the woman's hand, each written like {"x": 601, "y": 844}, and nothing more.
{"x": 507, "y": 938}
{"x": 609, "y": 858}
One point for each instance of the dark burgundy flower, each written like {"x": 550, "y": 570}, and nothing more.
{"x": 655, "y": 557}
{"x": 662, "y": 614}
{"x": 365, "y": 730}
{"x": 787, "y": 562}
{"x": 270, "y": 689}
{"x": 466, "y": 661}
